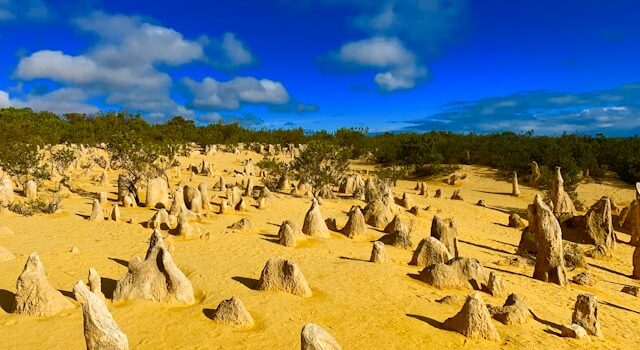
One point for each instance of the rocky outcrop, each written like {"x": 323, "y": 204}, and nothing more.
{"x": 231, "y": 312}
{"x": 473, "y": 320}
{"x": 314, "y": 224}
{"x": 100, "y": 330}
{"x": 156, "y": 278}
{"x": 562, "y": 204}
{"x": 313, "y": 337}
{"x": 430, "y": 251}
{"x": 281, "y": 274}
{"x": 355, "y": 227}
{"x": 549, "y": 257}
{"x": 34, "y": 295}
{"x": 378, "y": 253}
{"x": 585, "y": 314}
{"x": 457, "y": 273}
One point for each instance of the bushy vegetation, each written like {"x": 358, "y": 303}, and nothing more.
{"x": 424, "y": 154}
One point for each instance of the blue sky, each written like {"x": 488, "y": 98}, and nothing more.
{"x": 482, "y": 66}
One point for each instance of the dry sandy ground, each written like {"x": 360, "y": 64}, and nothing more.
{"x": 364, "y": 305}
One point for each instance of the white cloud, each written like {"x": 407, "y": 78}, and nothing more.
{"x": 122, "y": 67}
{"x": 389, "y": 54}
{"x": 212, "y": 94}
{"x": 63, "y": 100}
{"x": 125, "y": 68}
{"x": 402, "y": 34}
{"x": 235, "y": 51}
{"x": 4, "y": 99}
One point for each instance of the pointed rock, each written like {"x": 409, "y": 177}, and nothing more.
{"x": 355, "y": 226}
{"x": 446, "y": 231}
{"x": 102, "y": 197}
{"x": 378, "y": 253}
{"x": 281, "y": 274}
{"x": 34, "y": 295}
{"x": 231, "y": 312}
{"x": 599, "y": 226}
{"x": 515, "y": 188}
{"x": 514, "y": 311}
{"x": 184, "y": 228}
{"x": 562, "y": 203}
{"x": 585, "y": 314}
{"x": 430, "y": 251}
{"x": 313, "y": 337}
{"x": 314, "y": 224}
{"x": 548, "y": 235}
{"x": 287, "y": 234}
{"x": 156, "y": 278}
{"x": 378, "y": 214}
{"x": 474, "y": 320}
{"x": 160, "y": 220}
{"x": 100, "y": 330}
{"x": 115, "y": 212}
{"x": 95, "y": 283}
{"x": 96, "y": 211}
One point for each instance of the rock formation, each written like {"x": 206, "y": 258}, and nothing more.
{"x": 193, "y": 199}
{"x": 456, "y": 195}
{"x": 100, "y": 330}
{"x": 314, "y": 224}
{"x": 513, "y": 312}
{"x": 183, "y": 228}
{"x": 430, "y": 251}
{"x": 34, "y": 295}
{"x": 313, "y": 337}
{"x": 281, "y": 274}
{"x": 231, "y": 312}
{"x": 515, "y": 221}
{"x": 95, "y": 283}
{"x": 96, "y": 211}
{"x": 457, "y": 273}
{"x": 287, "y": 234}
{"x": 156, "y": 278}
{"x": 115, "y": 212}
{"x": 160, "y": 220}
{"x": 562, "y": 204}
{"x": 355, "y": 226}
{"x": 157, "y": 193}
{"x": 446, "y": 231}
{"x": 378, "y": 214}
{"x": 378, "y": 253}
{"x": 599, "y": 226}
{"x": 473, "y": 320}
{"x": 549, "y": 257}
{"x": 240, "y": 225}
{"x": 515, "y": 188}
{"x": 585, "y": 314}
{"x": 204, "y": 194}
{"x": 534, "y": 178}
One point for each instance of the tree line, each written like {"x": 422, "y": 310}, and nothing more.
{"x": 419, "y": 153}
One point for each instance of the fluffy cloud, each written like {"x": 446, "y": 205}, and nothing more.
{"x": 615, "y": 111}
{"x": 125, "y": 68}
{"x": 227, "y": 52}
{"x": 388, "y": 54}
{"x": 4, "y": 99}
{"x": 59, "y": 101}
{"x": 403, "y": 34}
{"x": 213, "y": 94}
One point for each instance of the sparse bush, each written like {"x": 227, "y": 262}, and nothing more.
{"x": 61, "y": 161}
{"x": 275, "y": 169}
{"x": 24, "y": 162}
{"x": 35, "y": 206}
{"x": 321, "y": 164}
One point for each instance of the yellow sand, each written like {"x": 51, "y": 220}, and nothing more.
{"x": 364, "y": 305}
